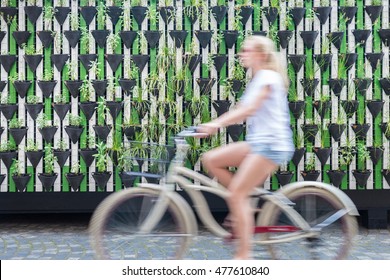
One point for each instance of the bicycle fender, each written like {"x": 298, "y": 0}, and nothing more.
{"x": 348, "y": 203}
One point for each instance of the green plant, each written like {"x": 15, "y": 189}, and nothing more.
{"x": 310, "y": 164}
{"x": 75, "y": 169}
{"x": 60, "y": 99}
{"x": 89, "y": 142}
{"x": 154, "y": 128}
{"x": 16, "y": 123}
{"x": 298, "y": 140}
{"x": 154, "y": 81}
{"x": 85, "y": 39}
{"x": 101, "y": 157}
{"x": 103, "y": 111}
{"x": 43, "y": 121}
{"x": 75, "y": 120}
{"x": 164, "y": 59}
{"x": 324, "y": 3}
{"x": 153, "y": 16}
{"x": 95, "y": 70}
{"x": 238, "y": 71}
{"x": 126, "y": 18}
{"x": 361, "y": 118}
{"x": 113, "y": 41}
{"x": 32, "y": 146}
{"x": 167, "y": 104}
{"x": 49, "y": 159}
{"x": 387, "y": 130}
{"x": 86, "y": 90}
{"x": 111, "y": 88}
{"x": 48, "y": 16}
{"x": 61, "y": 145}
{"x": 5, "y": 99}
{"x": 346, "y": 154}
{"x": 31, "y": 50}
{"x": 101, "y": 13}
{"x": 16, "y": 168}
{"x": 32, "y": 99}
{"x": 48, "y": 75}
{"x": 74, "y": 21}
{"x": 363, "y": 154}
{"x": 71, "y": 67}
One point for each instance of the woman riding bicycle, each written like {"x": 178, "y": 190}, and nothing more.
{"x": 269, "y": 137}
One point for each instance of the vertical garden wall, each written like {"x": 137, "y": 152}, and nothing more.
{"x": 78, "y": 77}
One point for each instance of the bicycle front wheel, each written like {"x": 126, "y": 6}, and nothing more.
{"x": 127, "y": 226}
{"x": 315, "y": 205}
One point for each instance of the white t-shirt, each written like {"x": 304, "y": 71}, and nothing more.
{"x": 271, "y": 122}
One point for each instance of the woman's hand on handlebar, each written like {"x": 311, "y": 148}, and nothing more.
{"x": 208, "y": 128}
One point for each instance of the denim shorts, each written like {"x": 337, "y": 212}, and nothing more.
{"x": 266, "y": 150}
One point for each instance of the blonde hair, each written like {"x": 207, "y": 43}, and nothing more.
{"x": 276, "y": 61}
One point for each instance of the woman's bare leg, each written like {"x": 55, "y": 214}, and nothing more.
{"x": 253, "y": 171}
{"x": 218, "y": 160}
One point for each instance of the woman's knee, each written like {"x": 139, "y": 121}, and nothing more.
{"x": 208, "y": 160}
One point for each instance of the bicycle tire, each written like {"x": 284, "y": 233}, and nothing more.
{"x": 333, "y": 242}
{"x": 115, "y": 234}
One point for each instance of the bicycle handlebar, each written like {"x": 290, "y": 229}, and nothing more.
{"x": 190, "y": 131}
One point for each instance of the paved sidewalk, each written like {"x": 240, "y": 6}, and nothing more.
{"x": 64, "y": 237}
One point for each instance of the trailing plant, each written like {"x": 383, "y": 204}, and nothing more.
{"x": 49, "y": 159}
{"x": 48, "y": 16}
{"x": 126, "y": 18}
{"x": 85, "y": 39}
{"x": 113, "y": 41}
{"x": 111, "y": 88}
{"x": 103, "y": 111}
{"x": 86, "y": 90}
{"x": 72, "y": 66}
{"x": 95, "y": 70}
{"x": 74, "y": 21}
{"x": 152, "y": 16}
{"x": 164, "y": 59}
{"x": 101, "y": 13}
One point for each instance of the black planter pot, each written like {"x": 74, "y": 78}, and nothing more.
{"x": 204, "y": 37}
{"x": 386, "y": 175}
{"x": 348, "y": 12}
{"x": 245, "y": 12}
{"x": 114, "y": 13}
{"x": 309, "y": 38}
{"x": 362, "y": 84}
{"x": 61, "y": 13}
{"x": 205, "y": 85}
{"x": 152, "y": 37}
{"x": 310, "y": 131}
{"x": 298, "y": 155}
{"x": 139, "y": 13}
{"x": 375, "y": 107}
{"x": 259, "y": 33}
{"x": 100, "y": 87}
{"x": 271, "y": 13}
{"x": 284, "y": 177}
{"x": 87, "y": 59}
{"x": 130, "y": 131}
{"x": 192, "y": 61}
{"x": 21, "y": 181}
{"x": 178, "y": 36}
{"x": 384, "y": 34}
{"x": 230, "y": 37}
{"x": 47, "y": 87}
{"x": 100, "y": 37}
{"x": 383, "y": 127}
{"x": 88, "y": 108}
{"x": 323, "y": 60}
{"x": 284, "y": 37}
{"x": 336, "y": 38}
{"x": 74, "y": 132}
{"x": 385, "y": 85}
{"x": 22, "y": 87}
{"x": 140, "y": 60}
{"x": 2, "y": 35}
{"x": 21, "y": 37}
{"x": 323, "y": 154}
{"x": 34, "y": 157}
{"x": 61, "y": 109}
{"x": 297, "y": 60}
{"x": 18, "y": 134}
{"x": 75, "y": 180}
{"x": 8, "y": 110}
{"x": 322, "y": 13}
{"x": 62, "y": 156}
{"x": 47, "y": 180}
{"x": 33, "y": 13}
{"x": 34, "y": 109}
{"x": 8, "y": 60}
{"x": 336, "y": 130}
{"x": 219, "y": 61}
{"x": 349, "y": 58}
{"x": 74, "y": 87}
{"x": 309, "y": 86}
{"x": 115, "y": 107}
{"x": 322, "y": 107}
{"x": 33, "y": 61}
{"x": 127, "y": 85}
{"x": 219, "y": 13}
{"x": 336, "y": 177}
{"x": 337, "y": 85}
{"x": 128, "y": 37}
{"x": 350, "y": 107}
{"x": 59, "y": 60}
{"x": 48, "y": 133}
{"x": 88, "y": 13}
{"x": 1, "y": 130}
{"x": 2, "y": 177}
{"x": 127, "y": 179}
{"x": 73, "y": 37}
{"x": 114, "y": 60}
{"x": 310, "y": 175}
{"x": 2, "y": 85}
{"x": 374, "y": 59}
{"x": 7, "y": 157}
{"x": 87, "y": 156}
{"x": 166, "y": 13}
{"x": 375, "y": 154}
{"x": 235, "y": 131}
{"x": 361, "y": 36}
{"x": 296, "y": 108}
{"x": 101, "y": 179}
{"x": 361, "y": 176}
{"x": 102, "y": 131}
{"x": 8, "y": 13}
{"x": 221, "y": 106}
{"x": 373, "y": 12}
{"x": 297, "y": 14}
{"x": 236, "y": 85}
{"x": 46, "y": 37}
{"x": 360, "y": 130}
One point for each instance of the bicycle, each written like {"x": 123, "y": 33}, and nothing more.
{"x": 311, "y": 219}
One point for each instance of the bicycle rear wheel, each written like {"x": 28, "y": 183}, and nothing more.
{"x": 126, "y": 226}
{"x": 315, "y": 205}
